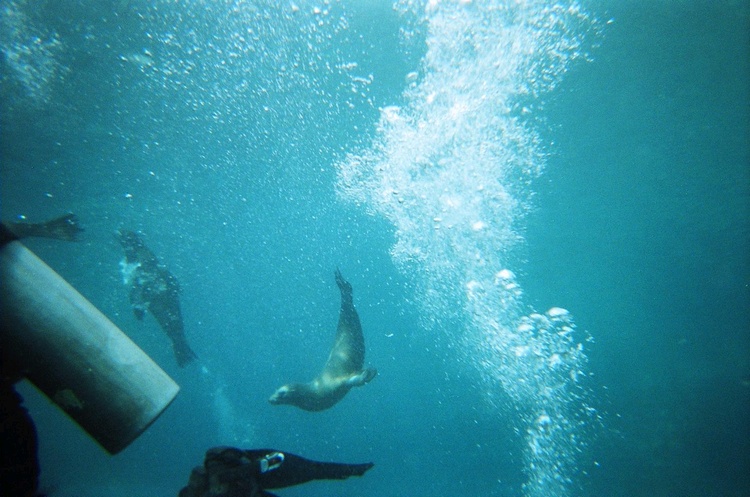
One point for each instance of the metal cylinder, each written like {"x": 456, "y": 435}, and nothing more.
{"x": 69, "y": 350}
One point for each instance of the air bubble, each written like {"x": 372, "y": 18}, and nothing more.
{"x": 557, "y": 312}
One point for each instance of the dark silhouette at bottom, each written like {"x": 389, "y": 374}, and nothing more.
{"x": 230, "y": 472}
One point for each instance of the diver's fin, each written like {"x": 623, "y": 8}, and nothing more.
{"x": 65, "y": 228}
{"x": 360, "y": 469}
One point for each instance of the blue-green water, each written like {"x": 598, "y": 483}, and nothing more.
{"x": 468, "y": 166}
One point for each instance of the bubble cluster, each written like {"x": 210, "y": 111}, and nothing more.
{"x": 541, "y": 364}
{"x": 452, "y": 170}
{"x": 254, "y": 75}
{"x": 30, "y": 55}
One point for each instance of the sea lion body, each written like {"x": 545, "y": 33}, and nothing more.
{"x": 343, "y": 369}
{"x": 154, "y": 289}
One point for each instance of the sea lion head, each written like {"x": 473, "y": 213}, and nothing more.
{"x": 131, "y": 242}
{"x": 306, "y": 396}
{"x": 286, "y": 394}
{"x": 128, "y": 238}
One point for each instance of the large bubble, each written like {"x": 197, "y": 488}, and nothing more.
{"x": 452, "y": 170}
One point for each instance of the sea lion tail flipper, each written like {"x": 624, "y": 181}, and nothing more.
{"x": 183, "y": 353}
{"x": 344, "y": 286}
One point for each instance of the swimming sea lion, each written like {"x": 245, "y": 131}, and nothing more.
{"x": 342, "y": 371}
{"x": 153, "y": 288}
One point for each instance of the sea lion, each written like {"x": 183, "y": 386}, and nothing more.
{"x": 342, "y": 371}
{"x": 153, "y": 288}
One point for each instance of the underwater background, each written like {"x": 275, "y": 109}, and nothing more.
{"x": 543, "y": 209}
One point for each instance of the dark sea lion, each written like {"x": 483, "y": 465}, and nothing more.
{"x": 342, "y": 371}
{"x": 153, "y": 288}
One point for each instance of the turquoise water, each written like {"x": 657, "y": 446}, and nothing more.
{"x": 542, "y": 208}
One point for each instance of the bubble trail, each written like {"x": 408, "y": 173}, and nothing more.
{"x": 452, "y": 171}
{"x": 29, "y": 54}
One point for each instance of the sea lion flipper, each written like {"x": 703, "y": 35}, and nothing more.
{"x": 365, "y": 376}
{"x": 182, "y": 351}
{"x": 139, "y": 312}
{"x": 344, "y": 286}
{"x": 369, "y": 373}
{"x": 138, "y": 301}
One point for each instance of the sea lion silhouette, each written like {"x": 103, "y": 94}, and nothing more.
{"x": 153, "y": 288}
{"x": 342, "y": 371}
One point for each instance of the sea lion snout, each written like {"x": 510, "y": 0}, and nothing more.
{"x": 279, "y": 395}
